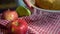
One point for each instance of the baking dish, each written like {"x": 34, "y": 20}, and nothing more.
{"x": 30, "y": 3}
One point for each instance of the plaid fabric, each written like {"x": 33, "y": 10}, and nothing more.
{"x": 41, "y": 22}
{"x": 4, "y": 22}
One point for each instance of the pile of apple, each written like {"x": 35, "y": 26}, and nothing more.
{"x": 17, "y": 25}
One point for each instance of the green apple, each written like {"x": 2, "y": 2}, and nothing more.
{"x": 22, "y": 11}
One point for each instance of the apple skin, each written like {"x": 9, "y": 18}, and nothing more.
{"x": 10, "y": 15}
{"x": 19, "y": 26}
{"x": 23, "y": 11}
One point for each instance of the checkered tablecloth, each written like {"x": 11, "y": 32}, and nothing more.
{"x": 41, "y": 22}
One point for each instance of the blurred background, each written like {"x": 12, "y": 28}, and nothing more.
{"x": 10, "y": 4}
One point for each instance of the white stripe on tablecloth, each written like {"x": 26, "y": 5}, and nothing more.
{"x": 55, "y": 27}
{"x": 41, "y": 30}
{"x": 33, "y": 30}
{"x": 52, "y": 29}
{"x": 58, "y": 31}
{"x": 48, "y": 28}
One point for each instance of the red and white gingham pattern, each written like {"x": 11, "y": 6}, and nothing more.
{"x": 44, "y": 22}
{"x": 41, "y": 22}
{"x": 4, "y": 22}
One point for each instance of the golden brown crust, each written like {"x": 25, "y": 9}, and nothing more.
{"x": 45, "y": 4}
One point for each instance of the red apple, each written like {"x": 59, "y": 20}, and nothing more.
{"x": 10, "y": 15}
{"x": 19, "y": 26}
